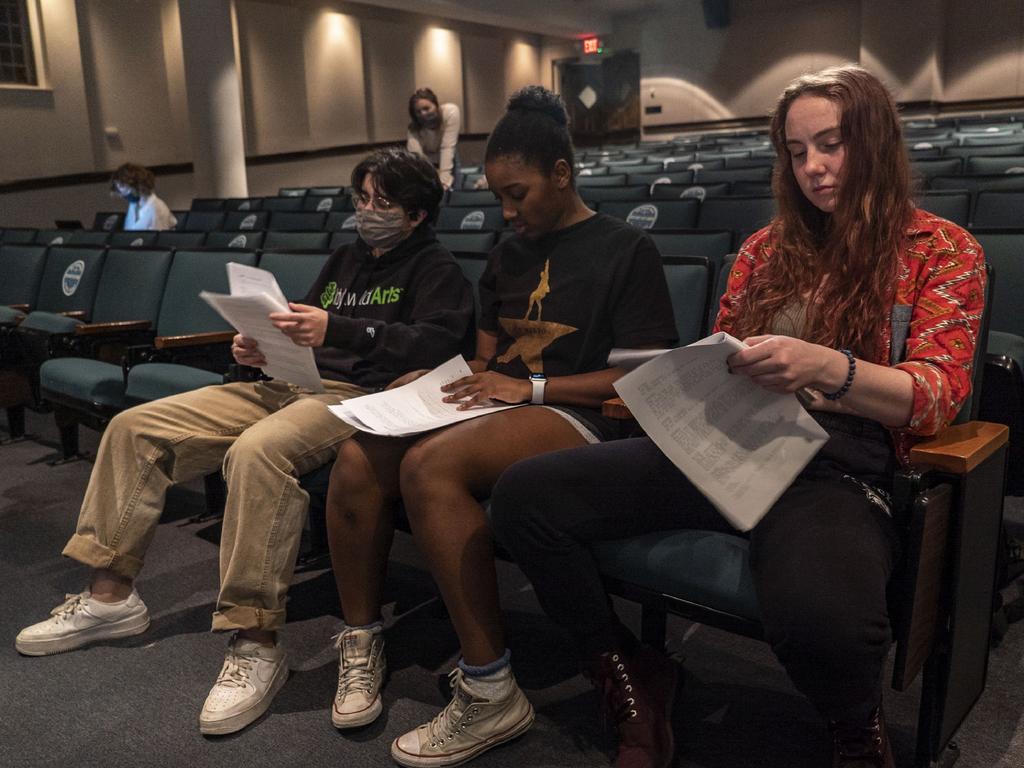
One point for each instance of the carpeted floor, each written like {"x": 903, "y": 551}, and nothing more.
{"x": 135, "y": 703}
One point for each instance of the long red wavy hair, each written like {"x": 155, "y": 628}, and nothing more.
{"x": 857, "y": 246}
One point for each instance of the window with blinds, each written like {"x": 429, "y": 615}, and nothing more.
{"x": 17, "y": 62}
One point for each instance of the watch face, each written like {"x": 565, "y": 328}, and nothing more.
{"x": 538, "y": 377}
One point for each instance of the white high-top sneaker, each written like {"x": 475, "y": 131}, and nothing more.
{"x": 468, "y": 726}
{"x": 361, "y": 669}
{"x": 250, "y": 678}
{"x": 81, "y": 619}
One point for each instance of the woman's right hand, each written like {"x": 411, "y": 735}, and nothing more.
{"x": 407, "y": 378}
{"x": 247, "y": 352}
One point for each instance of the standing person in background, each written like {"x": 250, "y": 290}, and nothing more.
{"x": 145, "y": 210}
{"x": 434, "y": 132}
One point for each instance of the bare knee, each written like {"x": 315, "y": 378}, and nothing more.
{"x": 353, "y": 484}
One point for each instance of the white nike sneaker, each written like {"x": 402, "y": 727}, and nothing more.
{"x": 250, "y": 678}
{"x": 80, "y": 620}
{"x": 361, "y": 668}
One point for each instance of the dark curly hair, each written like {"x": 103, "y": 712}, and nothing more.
{"x": 535, "y": 127}
{"x": 420, "y": 93}
{"x": 407, "y": 179}
{"x": 141, "y": 180}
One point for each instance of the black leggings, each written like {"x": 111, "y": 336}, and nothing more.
{"x": 820, "y": 558}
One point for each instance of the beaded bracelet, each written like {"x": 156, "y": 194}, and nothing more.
{"x": 849, "y": 378}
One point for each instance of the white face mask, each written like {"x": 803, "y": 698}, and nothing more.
{"x": 382, "y": 229}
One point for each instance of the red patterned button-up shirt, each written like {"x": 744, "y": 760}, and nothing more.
{"x": 942, "y": 280}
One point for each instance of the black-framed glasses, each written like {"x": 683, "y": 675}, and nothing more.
{"x": 379, "y": 203}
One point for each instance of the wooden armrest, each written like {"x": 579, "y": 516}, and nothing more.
{"x": 75, "y": 314}
{"x": 962, "y": 447}
{"x": 193, "y": 339}
{"x": 20, "y": 307}
{"x": 92, "y": 329}
{"x": 616, "y": 409}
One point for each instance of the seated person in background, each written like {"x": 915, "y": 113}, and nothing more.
{"x": 145, "y": 210}
{"x": 266, "y": 434}
{"x": 875, "y": 306}
{"x": 434, "y": 133}
{"x": 555, "y": 298}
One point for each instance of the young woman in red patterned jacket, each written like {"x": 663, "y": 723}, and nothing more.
{"x": 870, "y": 303}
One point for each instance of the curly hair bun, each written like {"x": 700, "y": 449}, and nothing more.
{"x": 536, "y": 98}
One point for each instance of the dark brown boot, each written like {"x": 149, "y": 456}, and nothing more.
{"x": 637, "y": 692}
{"x": 861, "y": 745}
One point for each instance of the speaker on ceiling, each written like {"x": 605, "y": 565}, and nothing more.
{"x": 716, "y": 13}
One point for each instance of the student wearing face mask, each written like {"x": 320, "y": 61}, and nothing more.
{"x": 145, "y": 210}
{"x": 390, "y": 303}
{"x": 434, "y": 133}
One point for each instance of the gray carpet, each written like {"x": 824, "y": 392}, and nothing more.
{"x": 135, "y": 702}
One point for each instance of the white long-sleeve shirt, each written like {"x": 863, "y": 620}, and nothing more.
{"x": 149, "y": 213}
{"x": 438, "y": 144}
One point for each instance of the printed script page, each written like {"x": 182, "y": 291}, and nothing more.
{"x": 740, "y": 444}
{"x": 414, "y": 407}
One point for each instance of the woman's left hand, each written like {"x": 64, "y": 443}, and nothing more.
{"x": 482, "y": 388}
{"x": 304, "y": 325}
{"x": 782, "y": 364}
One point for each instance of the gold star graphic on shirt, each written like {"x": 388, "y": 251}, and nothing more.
{"x": 532, "y": 337}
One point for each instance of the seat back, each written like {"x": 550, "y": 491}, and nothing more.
{"x": 243, "y": 204}
{"x": 606, "y": 180}
{"x": 762, "y": 173}
{"x": 292, "y": 191}
{"x": 696, "y": 191}
{"x": 467, "y": 242}
{"x": 131, "y": 285}
{"x": 222, "y": 239}
{"x": 327, "y": 203}
{"x": 1004, "y": 250}
{"x": 470, "y": 217}
{"x": 471, "y": 197}
{"x": 136, "y": 239}
{"x": 182, "y": 311}
{"x": 338, "y": 221}
{"x": 207, "y": 204}
{"x": 88, "y": 237}
{"x": 721, "y": 281}
{"x": 172, "y": 239}
{"x": 740, "y": 214}
{"x": 660, "y": 177}
{"x": 954, "y": 206}
{"x": 1011, "y": 181}
{"x": 296, "y": 221}
{"x": 296, "y": 241}
{"x": 108, "y": 221}
{"x": 21, "y": 272}
{"x": 239, "y": 221}
{"x": 332, "y": 191}
{"x": 632, "y": 192}
{"x": 203, "y": 221}
{"x": 283, "y": 203}
{"x": 70, "y": 278}
{"x": 689, "y": 285}
{"x": 654, "y": 214}
{"x": 54, "y": 236}
{"x": 999, "y": 209}
{"x": 942, "y": 166}
{"x": 993, "y": 166}
{"x": 344, "y": 237}
{"x": 295, "y": 271}
{"x": 711, "y": 244}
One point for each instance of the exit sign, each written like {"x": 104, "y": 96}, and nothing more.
{"x": 591, "y": 45}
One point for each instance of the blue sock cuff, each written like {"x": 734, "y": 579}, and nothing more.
{"x": 487, "y": 669}
{"x": 378, "y": 624}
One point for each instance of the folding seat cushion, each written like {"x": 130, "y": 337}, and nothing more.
{"x": 203, "y": 221}
{"x": 296, "y": 241}
{"x": 136, "y": 239}
{"x": 487, "y": 217}
{"x": 172, "y": 239}
{"x": 233, "y": 240}
{"x": 295, "y": 272}
{"x": 151, "y": 381}
{"x": 654, "y": 214}
{"x": 82, "y": 380}
{"x": 245, "y": 220}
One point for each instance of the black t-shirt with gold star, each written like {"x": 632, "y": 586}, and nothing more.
{"x": 561, "y": 303}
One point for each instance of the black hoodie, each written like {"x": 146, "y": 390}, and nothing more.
{"x": 411, "y": 308}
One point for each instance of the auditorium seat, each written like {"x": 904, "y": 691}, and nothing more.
{"x": 762, "y": 173}
{"x": 225, "y": 239}
{"x": 942, "y": 166}
{"x": 245, "y": 220}
{"x": 751, "y": 188}
{"x": 952, "y": 205}
{"x": 631, "y": 192}
{"x": 296, "y": 221}
{"x": 697, "y": 165}
{"x": 134, "y": 239}
{"x": 660, "y": 177}
{"x": 620, "y": 167}
{"x": 296, "y": 240}
{"x": 607, "y": 180}
{"x": 323, "y": 191}
{"x": 327, "y": 203}
{"x": 282, "y": 203}
{"x": 295, "y": 271}
{"x": 243, "y": 204}
{"x": 711, "y": 244}
{"x": 999, "y": 209}
{"x": 689, "y": 281}
{"x": 54, "y": 236}
{"x": 463, "y": 197}
{"x": 654, "y": 214}
{"x": 467, "y": 242}
{"x": 21, "y": 271}
{"x": 88, "y": 237}
{"x": 592, "y": 169}
{"x": 108, "y": 221}
{"x": 697, "y": 191}
{"x": 1013, "y": 181}
{"x": 203, "y": 221}
{"x": 207, "y": 204}
{"x": 470, "y": 217}
{"x": 292, "y": 191}
{"x": 341, "y": 238}
{"x": 172, "y": 239}
{"x": 740, "y": 214}
{"x": 984, "y": 165}
{"x": 984, "y": 151}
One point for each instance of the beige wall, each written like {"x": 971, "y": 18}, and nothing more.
{"x": 983, "y": 52}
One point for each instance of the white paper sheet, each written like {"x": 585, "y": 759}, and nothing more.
{"x": 414, "y": 407}
{"x": 254, "y": 295}
{"x": 740, "y": 444}
{"x": 621, "y": 357}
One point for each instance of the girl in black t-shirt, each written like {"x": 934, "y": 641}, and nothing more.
{"x": 554, "y": 300}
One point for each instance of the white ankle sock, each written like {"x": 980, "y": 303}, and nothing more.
{"x": 496, "y": 685}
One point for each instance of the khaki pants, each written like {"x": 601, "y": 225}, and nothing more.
{"x": 266, "y": 434}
